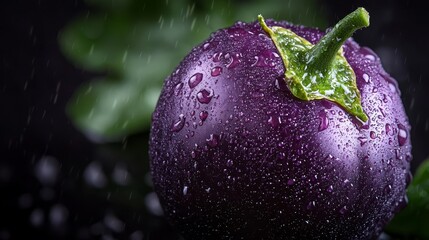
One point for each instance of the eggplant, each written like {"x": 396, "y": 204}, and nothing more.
{"x": 237, "y": 153}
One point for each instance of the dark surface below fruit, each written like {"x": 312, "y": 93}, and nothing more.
{"x": 235, "y": 155}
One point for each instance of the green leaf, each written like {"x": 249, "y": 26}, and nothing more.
{"x": 112, "y": 108}
{"x": 413, "y": 220}
{"x": 334, "y": 81}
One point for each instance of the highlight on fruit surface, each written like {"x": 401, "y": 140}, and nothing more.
{"x": 269, "y": 130}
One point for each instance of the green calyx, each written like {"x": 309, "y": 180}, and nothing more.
{"x": 321, "y": 71}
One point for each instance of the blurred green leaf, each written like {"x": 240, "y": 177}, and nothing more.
{"x": 137, "y": 44}
{"x": 413, "y": 221}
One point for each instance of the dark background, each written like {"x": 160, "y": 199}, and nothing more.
{"x": 44, "y": 162}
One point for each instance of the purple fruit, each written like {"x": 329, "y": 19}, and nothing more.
{"x": 235, "y": 155}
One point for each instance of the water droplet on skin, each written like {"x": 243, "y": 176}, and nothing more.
{"x": 216, "y": 71}
{"x": 233, "y": 60}
{"x": 373, "y": 135}
{"x": 213, "y": 140}
{"x": 206, "y": 46}
{"x": 178, "y": 125}
{"x": 398, "y": 154}
{"x": 290, "y": 182}
{"x": 370, "y": 57}
{"x": 281, "y": 84}
{"x": 217, "y": 57}
{"x": 343, "y": 210}
{"x": 324, "y": 121}
{"x": 408, "y": 157}
{"x": 366, "y": 77}
{"x": 408, "y": 178}
{"x": 281, "y": 155}
{"x": 362, "y": 140}
{"x": 229, "y": 163}
{"x": 387, "y": 189}
{"x": 402, "y": 134}
{"x": 392, "y": 87}
{"x": 195, "y": 80}
{"x": 274, "y": 121}
{"x": 193, "y": 154}
{"x": 257, "y": 94}
{"x": 203, "y": 115}
{"x": 330, "y": 189}
{"x": 178, "y": 88}
{"x": 205, "y": 96}
{"x": 311, "y": 205}
{"x": 236, "y": 32}
{"x": 389, "y": 130}
{"x": 266, "y": 58}
{"x": 185, "y": 190}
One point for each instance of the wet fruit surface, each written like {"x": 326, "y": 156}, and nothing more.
{"x": 235, "y": 155}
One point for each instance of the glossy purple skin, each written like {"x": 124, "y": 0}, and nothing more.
{"x": 238, "y": 157}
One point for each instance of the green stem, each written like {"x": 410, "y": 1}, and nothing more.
{"x": 322, "y": 54}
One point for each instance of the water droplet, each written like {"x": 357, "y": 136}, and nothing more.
{"x": 311, "y": 205}
{"x": 389, "y": 130}
{"x": 387, "y": 189}
{"x": 203, "y": 115}
{"x": 193, "y": 154}
{"x": 370, "y": 57}
{"x": 233, "y": 60}
{"x": 208, "y": 190}
{"x": 152, "y": 203}
{"x": 274, "y": 121}
{"x": 408, "y": 178}
{"x": 178, "y": 88}
{"x": 343, "y": 210}
{"x": 216, "y": 71}
{"x": 121, "y": 175}
{"x": 366, "y": 77}
{"x": 47, "y": 170}
{"x": 330, "y": 189}
{"x": 324, "y": 121}
{"x": 205, "y": 96}
{"x": 94, "y": 175}
{"x": 185, "y": 190}
{"x": 178, "y": 124}
{"x": 408, "y": 157}
{"x": 217, "y": 56}
{"x": 362, "y": 140}
{"x": 281, "y": 84}
{"x": 266, "y": 58}
{"x": 392, "y": 87}
{"x": 213, "y": 140}
{"x": 37, "y": 217}
{"x": 236, "y": 31}
{"x": 281, "y": 155}
{"x": 206, "y": 46}
{"x": 229, "y": 163}
{"x": 290, "y": 182}
{"x": 373, "y": 135}
{"x": 402, "y": 135}
{"x": 195, "y": 80}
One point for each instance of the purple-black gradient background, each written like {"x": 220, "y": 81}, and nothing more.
{"x": 36, "y": 81}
